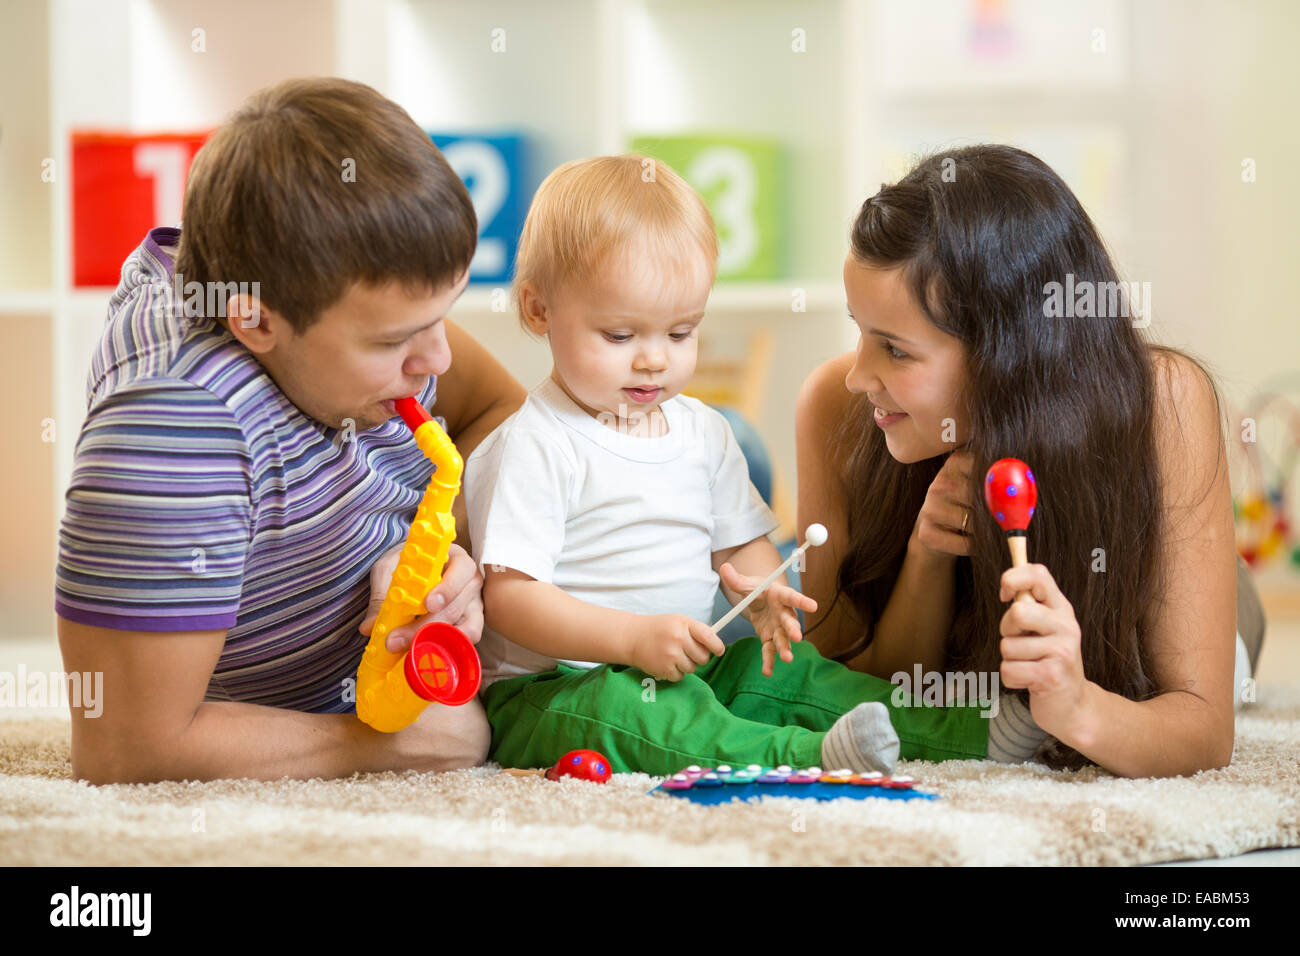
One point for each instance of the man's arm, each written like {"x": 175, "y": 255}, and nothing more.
{"x": 155, "y": 724}
{"x": 475, "y": 395}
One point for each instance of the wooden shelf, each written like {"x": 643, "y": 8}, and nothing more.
{"x": 26, "y": 302}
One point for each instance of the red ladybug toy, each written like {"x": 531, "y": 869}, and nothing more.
{"x": 583, "y": 764}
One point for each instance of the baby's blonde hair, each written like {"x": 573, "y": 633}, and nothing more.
{"x": 590, "y": 210}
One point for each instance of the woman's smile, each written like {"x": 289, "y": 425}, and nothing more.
{"x": 886, "y": 418}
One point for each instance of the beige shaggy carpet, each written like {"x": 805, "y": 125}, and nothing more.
{"x": 988, "y": 814}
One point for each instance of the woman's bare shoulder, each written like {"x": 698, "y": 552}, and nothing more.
{"x": 1181, "y": 381}
{"x": 823, "y": 398}
{"x": 1188, "y": 425}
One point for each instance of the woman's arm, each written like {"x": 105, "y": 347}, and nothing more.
{"x": 1191, "y": 628}
{"x": 1192, "y": 632}
{"x": 476, "y": 394}
{"x": 917, "y": 620}
{"x": 824, "y": 400}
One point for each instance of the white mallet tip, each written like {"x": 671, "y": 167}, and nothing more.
{"x": 816, "y": 535}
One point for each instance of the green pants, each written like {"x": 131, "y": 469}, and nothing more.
{"x": 726, "y": 712}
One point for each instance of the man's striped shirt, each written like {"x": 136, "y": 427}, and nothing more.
{"x": 203, "y": 499}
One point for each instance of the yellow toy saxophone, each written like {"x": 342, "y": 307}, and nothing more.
{"x": 441, "y": 664}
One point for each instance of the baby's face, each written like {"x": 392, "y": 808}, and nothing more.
{"x": 627, "y": 341}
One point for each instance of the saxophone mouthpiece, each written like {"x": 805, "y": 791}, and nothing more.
{"x": 412, "y": 412}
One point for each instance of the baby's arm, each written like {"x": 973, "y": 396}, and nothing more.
{"x": 757, "y": 558}
{"x": 541, "y": 617}
{"x": 743, "y": 568}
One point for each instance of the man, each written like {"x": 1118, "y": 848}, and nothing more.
{"x": 241, "y": 488}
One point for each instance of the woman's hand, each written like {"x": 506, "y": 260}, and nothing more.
{"x": 945, "y": 515}
{"x": 772, "y": 613}
{"x": 1041, "y": 650}
{"x": 457, "y": 599}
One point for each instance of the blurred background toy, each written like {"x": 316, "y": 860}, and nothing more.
{"x": 1269, "y": 441}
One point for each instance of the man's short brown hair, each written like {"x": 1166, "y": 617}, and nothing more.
{"x": 316, "y": 184}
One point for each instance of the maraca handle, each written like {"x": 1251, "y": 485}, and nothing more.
{"x": 1019, "y": 546}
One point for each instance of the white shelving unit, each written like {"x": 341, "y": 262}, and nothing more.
{"x": 825, "y": 77}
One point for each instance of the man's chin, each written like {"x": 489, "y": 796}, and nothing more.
{"x": 355, "y": 423}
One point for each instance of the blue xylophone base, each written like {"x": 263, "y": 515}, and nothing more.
{"x": 723, "y": 785}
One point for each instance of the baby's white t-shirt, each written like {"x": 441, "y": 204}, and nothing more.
{"x": 613, "y": 519}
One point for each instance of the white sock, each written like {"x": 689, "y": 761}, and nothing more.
{"x": 862, "y": 740}
{"x": 1013, "y": 735}
{"x": 1240, "y": 674}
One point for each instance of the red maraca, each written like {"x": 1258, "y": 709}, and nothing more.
{"x": 1011, "y": 494}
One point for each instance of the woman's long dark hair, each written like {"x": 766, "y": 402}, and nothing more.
{"x": 1072, "y": 396}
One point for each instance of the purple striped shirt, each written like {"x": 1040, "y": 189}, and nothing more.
{"x": 203, "y": 499}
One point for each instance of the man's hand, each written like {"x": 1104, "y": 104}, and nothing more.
{"x": 772, "y": 613}
{"x": 457, "y": 600}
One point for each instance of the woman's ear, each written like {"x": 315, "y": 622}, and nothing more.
{"x": 534, "y": 309}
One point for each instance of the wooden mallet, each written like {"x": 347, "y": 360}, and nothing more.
{"x": 1011, "y": 494}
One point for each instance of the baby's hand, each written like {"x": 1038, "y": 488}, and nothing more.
{"x": 772, "y": 613}
{"x": 670, "y": 646}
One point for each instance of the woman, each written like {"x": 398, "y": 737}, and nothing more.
{"x": 964, "y": 357}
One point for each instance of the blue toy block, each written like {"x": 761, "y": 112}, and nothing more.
{"x": 494, "y": 170}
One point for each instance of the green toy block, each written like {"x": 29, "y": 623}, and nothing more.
{"x": 742, "y": 180}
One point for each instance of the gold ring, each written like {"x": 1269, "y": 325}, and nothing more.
{"x": 965, "y": 517}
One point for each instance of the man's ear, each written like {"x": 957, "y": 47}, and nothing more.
{"x": 534, "y": 310}
{"x": 258, "y": 327}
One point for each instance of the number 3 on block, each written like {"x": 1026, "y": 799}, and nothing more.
{"x": 741, "y": 181}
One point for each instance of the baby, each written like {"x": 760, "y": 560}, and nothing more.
{"x": 604, "y": 512}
